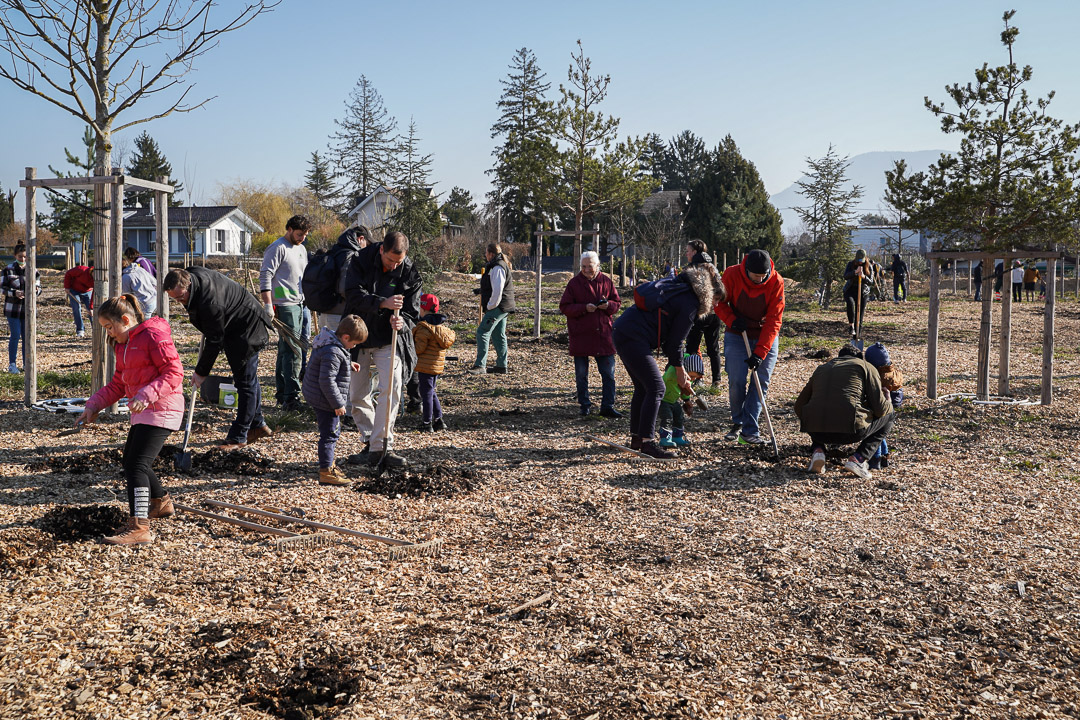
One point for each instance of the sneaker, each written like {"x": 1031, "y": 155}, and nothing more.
{"x": 635, "y": 442}
{"x": 425, "y": 427}
{"x": 258, "y": 433}
{"x": 817, "y": 462}
{"x": 498, "y": 370}
{"x": 80, "y": 334}
{"x": 13, "y": 369}
{"x": 716, "y": 384}
{"x": 438, "y": 424}
{"x": 392, "y": 459}
{"x": 333, "y": 476}
{"x": 858, "y": 468}
{"x": 652, "y": 450}
{"x": 136, "y": 531}
{"x": 733, "y": 433}
{"x": 666, "y": 442}
{"x": 478, "y": 370}
{"x": 610, "y": 413}
{"x": 752, "y": 440}
{"x": 680, "y": 440}
{"x": 161, "y": 507}
{"x": 292, "y": 406}
{"x": 412, "y": 407}
{"x": 586, "y": 410}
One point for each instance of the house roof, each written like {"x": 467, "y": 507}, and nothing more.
{"x": 383, "y": 190}
{"x": 186, "y": 216}
{"x": 663, "y": 200}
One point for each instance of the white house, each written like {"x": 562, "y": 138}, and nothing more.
{"x": 375, "y": 211}
{"x": 215, "y": 230}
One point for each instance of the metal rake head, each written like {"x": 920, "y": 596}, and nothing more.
{"x": 431, "y": 548}
{"x": 313, "y": 540}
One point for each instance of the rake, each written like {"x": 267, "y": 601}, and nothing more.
{"x": 399, "y": 548}
{"x": 285, "y": 537}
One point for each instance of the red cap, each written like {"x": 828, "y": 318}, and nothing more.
{"x": 429, "y": 303}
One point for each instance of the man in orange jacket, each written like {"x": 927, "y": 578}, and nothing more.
{"x": 754, "y": 304}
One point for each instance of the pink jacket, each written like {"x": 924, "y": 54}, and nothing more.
{"x": 147, "y": 368}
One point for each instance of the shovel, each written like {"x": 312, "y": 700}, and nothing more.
{"x": 389, "y": 395}
{"x": 764, "y": 405}
{"x": 182, "y": 459}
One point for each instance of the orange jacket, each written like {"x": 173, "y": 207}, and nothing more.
{"x": 432, "y": 339}
{"x": 760, "y": 306}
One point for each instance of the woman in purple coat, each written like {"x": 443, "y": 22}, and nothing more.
{"x": 589, "y": 302}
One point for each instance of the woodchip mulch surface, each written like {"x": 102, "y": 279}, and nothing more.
{"x": 720, "y": 585}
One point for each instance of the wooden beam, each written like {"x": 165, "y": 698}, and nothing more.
{"x": 101, "y": 360}
{"x": 932, "y": 331}
{"x": 539, "y": 287}
{"x": 1048, "y": 336}
{"x": 89, "y": 183}
{"x": 30, "y": 297}
{"x": 982, "y": 380}
{"x": 161, "y": 218}
{"x": 1005, "y": 343}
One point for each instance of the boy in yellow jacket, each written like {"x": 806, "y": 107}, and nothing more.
{"x": 433, "y": 337}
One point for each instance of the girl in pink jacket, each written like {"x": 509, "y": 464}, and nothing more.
{"x": 149, "y": 374}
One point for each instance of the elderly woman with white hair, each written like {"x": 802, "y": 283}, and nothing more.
{"x": 589, "y": 302}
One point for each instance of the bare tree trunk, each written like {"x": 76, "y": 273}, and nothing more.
{"x": 982, "y": 381}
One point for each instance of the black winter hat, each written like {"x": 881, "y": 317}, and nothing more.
{"x": 758, "y": 261}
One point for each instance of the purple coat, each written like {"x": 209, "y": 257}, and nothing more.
{"x": 590, "y": 332}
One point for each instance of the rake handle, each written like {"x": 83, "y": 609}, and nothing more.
{"x": 309, "y": 523}
{"x": 234, "y": 521}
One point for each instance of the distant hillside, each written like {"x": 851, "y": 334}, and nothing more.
{"x": 867, "y": 170}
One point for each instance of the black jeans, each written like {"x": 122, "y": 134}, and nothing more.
{"x": 648, "y": 385}
{"x": 248, "y": 399}
{"x": 849, "y": 303}
{"x": 709, "y": 327}
{"x": 868, "y": 440}
{"x": 144, "y": 442}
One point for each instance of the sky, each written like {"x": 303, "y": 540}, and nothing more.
{"x": 785, "y": 79}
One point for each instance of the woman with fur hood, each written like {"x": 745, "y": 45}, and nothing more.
{"x": 679, "y": 301}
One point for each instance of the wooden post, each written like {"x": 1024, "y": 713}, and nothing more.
{"x": 1076, "y": 271}
{"x": 116, "y": 233}
{"x": 103, "y": 361}
{"x": 161, "y": 222}
{"x": 725, "y": 264}
{"x": 539, "y": 271}
{"x": 633, "y": 266}
{"x": 30, "y": 296}
{"x": 1006, "y": 329}
{"x": 932, "y": 331}
{"x": 982, "y": 381}
{"x": 1048, "y": 335}
{"x": 969, "y": 277}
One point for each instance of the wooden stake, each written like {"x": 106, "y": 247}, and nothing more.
{"x": 539, "y": 272}
{"x": 1006, "y": 330}
{"x": 30, "y": 296}
{"x": 161, "y": 222}
{"x": 982, "y": 380}
{"x": 1048, "y": 335}
{"x": 932, "y": 330}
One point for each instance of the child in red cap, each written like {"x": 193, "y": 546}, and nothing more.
{"x": 433, "y": 337}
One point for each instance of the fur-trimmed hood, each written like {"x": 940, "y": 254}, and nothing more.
{"x": 705, "y": 282}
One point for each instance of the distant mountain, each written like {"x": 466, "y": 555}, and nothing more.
{"x": 867, "y": 170}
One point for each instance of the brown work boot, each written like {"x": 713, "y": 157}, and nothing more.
{"x": 333, "y": 476}
{"x": 136, "y": 531}
{"x": 161, "y": 507}
{"x": 258, "y": 433}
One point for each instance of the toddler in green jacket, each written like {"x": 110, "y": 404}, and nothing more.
{"x": 672, "y": 433}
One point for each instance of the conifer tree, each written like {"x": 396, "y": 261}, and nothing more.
{"x": 684, "y": 161}
{"x": 148, "y": 163}
{"x": 459, "y": 208}
{"x": 418, "y": 216}
{"x": 320, "y": 181}
{"x": 363, "y": 149}
{"x": 72, "y": 216}
{"x": 653, "y": 159}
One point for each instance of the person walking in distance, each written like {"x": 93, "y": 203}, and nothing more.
{"x": 1018, "y": 281}
{"x": 899, "y": 278}
{"x": 497, "y": 298}
{"x": 282, "y": 295}
{"x": 148, "y": 373}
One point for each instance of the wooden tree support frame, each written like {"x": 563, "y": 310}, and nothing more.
{"x": 108, "y": 250}
{"x": 540, "y": 235}
{"x": 982, "y": 392}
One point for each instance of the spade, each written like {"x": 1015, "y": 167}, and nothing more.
{"x": 182, "y": 459}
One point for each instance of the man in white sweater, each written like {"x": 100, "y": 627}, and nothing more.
{"x": 282, "y": 294}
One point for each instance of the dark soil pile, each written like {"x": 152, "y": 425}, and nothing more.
{"x": 97, "y": 460}
{"x": 246, "y": 461}
{"x": 75, "y": 524}
{"x": 324, "y": 683}
{"x": 440, "y": 479}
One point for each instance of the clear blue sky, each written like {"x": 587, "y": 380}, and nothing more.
{"x": 784, "y": 78}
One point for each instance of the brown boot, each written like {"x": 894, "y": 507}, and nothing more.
{"x": 136, "y": 531}
{"x": 161, "y": 507}
{"x": 258, "y": 433}
{"x": 333, "y": 476}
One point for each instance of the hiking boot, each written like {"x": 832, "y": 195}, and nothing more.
{"x": 393, "y": 460}
{"x": 161, "y": 507}
{"x": 610, "y": 413}
{"x": 817, "y": 462}
{"x": 135, "y": 531}
{"x": 333, "y": 476}
{"x": 292, "y": 406}
{"x": 635, "y": 442}
{"x": 256, "y": 434}
{"x": 361, "y": 457}
{"x": 348, "y": 422}
{"x": 477, "y": 370}
{"x": 733, "y": 433}
{"x": 227, "y": 445}
{"x": 498, "y": 370}
{"x": 858, "y": 467}
{"x": 650, "y": 448}
{"x": 438, "y": 424}
{"x": 752, "y": 440}
{"x": 412, "y": 407}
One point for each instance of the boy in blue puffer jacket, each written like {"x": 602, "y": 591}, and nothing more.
{"x": 326, "y": 388}
{"x": 892, "y": 381}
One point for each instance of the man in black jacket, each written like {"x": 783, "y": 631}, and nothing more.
{"x": 233, "y": 321}
{"x": 380, "y": 280}
{"x": 899, "y": 278}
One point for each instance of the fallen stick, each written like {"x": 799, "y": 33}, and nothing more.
{"x": 623, "y": 448}
{"x": 532, "y": 603}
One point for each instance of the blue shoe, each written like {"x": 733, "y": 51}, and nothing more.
{"x": 679, "y": 438}
{"x": 667, "y": 442}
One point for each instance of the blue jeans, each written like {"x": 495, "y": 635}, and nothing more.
{"x": 75, "y": 298}
{"x": 606, "y": 365}
{"x": 746, "y": 406}
{"x": 248, "y": 399}
{"x": 15, "y": 324}
{"x": 492, "y": 329}
{"x": 329, "y": 431}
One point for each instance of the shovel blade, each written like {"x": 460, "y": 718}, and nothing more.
{"x": 182, "y": 461}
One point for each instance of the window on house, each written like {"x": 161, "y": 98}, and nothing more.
{"x": 219, "y": 241}
{"x": 152, "y": 244}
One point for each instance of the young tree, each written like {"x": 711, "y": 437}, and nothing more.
{"x": 459, "y": 208}
{"x": 598, "y": 174}
{"x": 729, "y": 209}
{"x": 685, "y": 161}
{"x": 7, "y": 209}
{"x": 418, "y": 216}
{"x": 149, "y": 164}
{"x": 363, "y": 153}
{"x": 72, "y": 217}
{"x": 522, "y": 175}
{"x": 320, "y": 181}
{"x": 829, "y": 217}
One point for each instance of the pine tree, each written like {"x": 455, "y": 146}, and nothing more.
{"x": 363, "y": 153}
{"x": 72, "y": 216}
{"x": 653, "y": 159}
{"x": 149, "y": 164}
{"x": 729, "y": 209}
{"x": 418, "y": 215}
{"x": 829, "y": 217}
{"x": 320, "y": 181}
{"x": 684, "y": 161}
{"x": 459, "y": 208}
{"x": 522, "y": 172}
{"x": 7, "y": 209}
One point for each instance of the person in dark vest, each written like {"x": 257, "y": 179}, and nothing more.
{"x": 497, "y": 298}
{"x": 230, "y": 320}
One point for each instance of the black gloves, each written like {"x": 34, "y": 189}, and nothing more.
{"x": 476, "y": 291}
{"x": 738, "y": 326}
{"x": 753, "y": 361}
